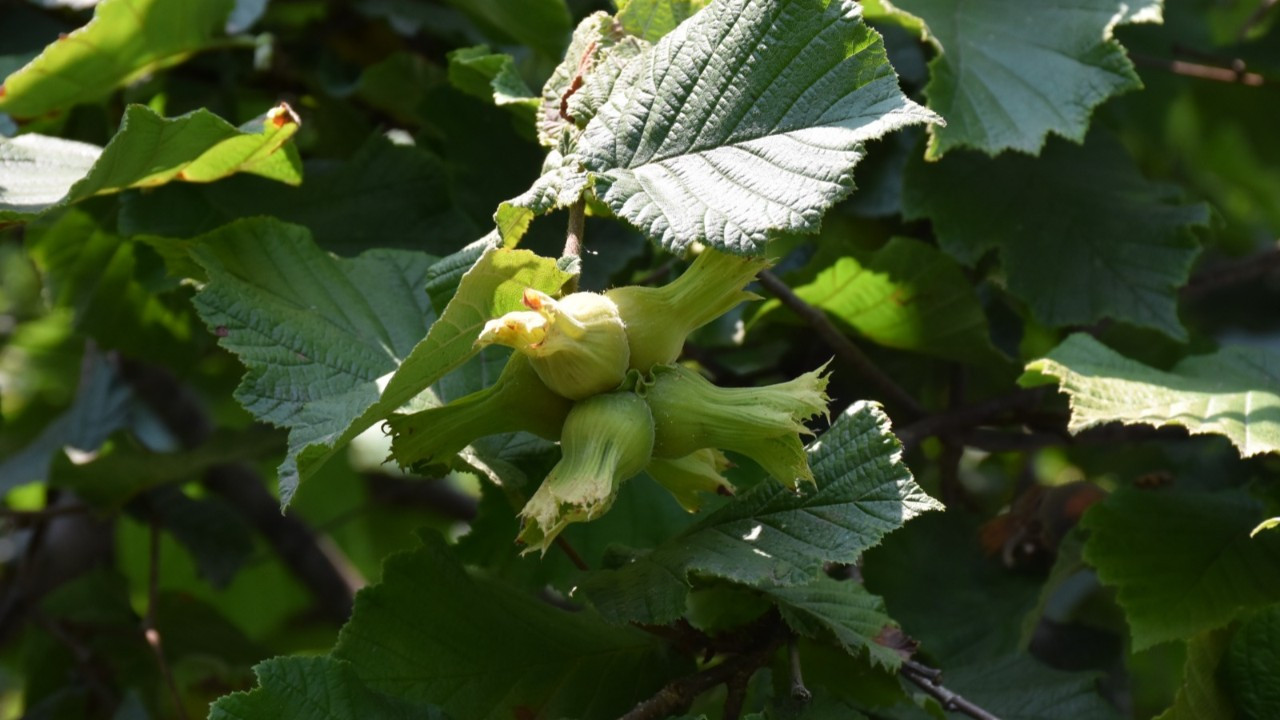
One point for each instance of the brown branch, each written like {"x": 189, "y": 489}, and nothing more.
{"x": 1235, "y": 74}
{"x": 149, "y": 629}
{"x": 930, "y": 680}
{"x": 1236, "y": 272}
{"x": 966, "y": 418}
{"x": 572, "y": 554}
{"x": 577, "y": 228}
{"x": 293, "y": 540}
{"x": 844, "y": 348}
{"x": 82, "y": 656}
{"x": 677, "y": 695}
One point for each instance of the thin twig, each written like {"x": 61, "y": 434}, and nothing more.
{"x": 799, "y": 692}
{"x": 83, "y": 658}
{"x": 1256, "y": 17}
{"x": 577, "y": 227}
{"x": 1199, "y": 71}
{"x": 844, "y": 348}
{"x": 930, "y": 681}
{"x": 972, "y": 416}
{"x": 295, "y": 542}
{"x": 572, "y": 554}
{"x": 1236, "y": 272}
{"x": 677, "y": 695}
{"x": 27, "y": 516}
{"x": 149, "y": 622}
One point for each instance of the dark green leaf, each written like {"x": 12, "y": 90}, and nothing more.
{"x": 1182, "y": 562}
{"x": 431, "y": 634}
{"x": 1081, "y": 234}
{"x": 845, "y": 609}
{"x": 1253, "y": 665}
{"x": 314, "y": 688}
{"x": 1009, "y": 72}
{"x": 1201, "y": 694}
{"x": 386, "y": 195}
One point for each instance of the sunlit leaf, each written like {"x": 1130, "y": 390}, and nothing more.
{"x": 126, "y": 40}
{"x": 38, "y": 173}
{"x": 1234, "y": 392}
{"x": 692, "y": 146}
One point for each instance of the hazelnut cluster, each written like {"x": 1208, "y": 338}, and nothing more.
{"x": 596, "y": 372}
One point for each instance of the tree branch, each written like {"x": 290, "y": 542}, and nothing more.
{"x": 677, "y": 695}
{"x": 292, "y": 539}
{"x": 1236, "y": 272}
{"x": 844, "y": 348}
{"x": 569, "y": 552}
{"x": 577, "y": 228}
{"x": 1234, "y": 74}
{"x": 930, "y": 680}
{"x": 966, "y": 418}
{"x": 315, "y": 564}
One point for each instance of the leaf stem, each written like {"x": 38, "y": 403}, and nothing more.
{"x": 799, "y": 692}
{"x": 577, "y": 227}
{"x": 844, "y": 348}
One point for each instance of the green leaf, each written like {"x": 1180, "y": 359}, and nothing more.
{"x": 906, "y": 295}
{"x": 125, "y": 40}
{"x": 104, "y": 403}
{"x": 1002, "y": 81}
{"x": 1081, "y": 234}
{"x": 214, "y": 533}
{"x": 491, "y": 77}
{"x": 1182, "y": 562}
{"x": 1267, "y": 524}
{"x": 314, "y": 688}
{"x": 334, "y": 345}
{"x": 845, "y": 609}
{"x": 38, "y": 173}
{"x": 652, "y": 19}
{"x": 596, "y": 55}
{"x": 1201, "y": 694}
{"x": 773, "y": 536}
{"x": 981, "y": 619}
{"x": 1233, "y": 392}
{"x": 429, "y": 633}
{"x": 385, "y": 195}
{"x": 561, "y": 184}
{"x": 1253, "y": 666}
{"x": 99, "y": 276}
{"x": 317, "y": 333}
{"x": 745, "y": 120}
{"x": 540, "y": 24}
